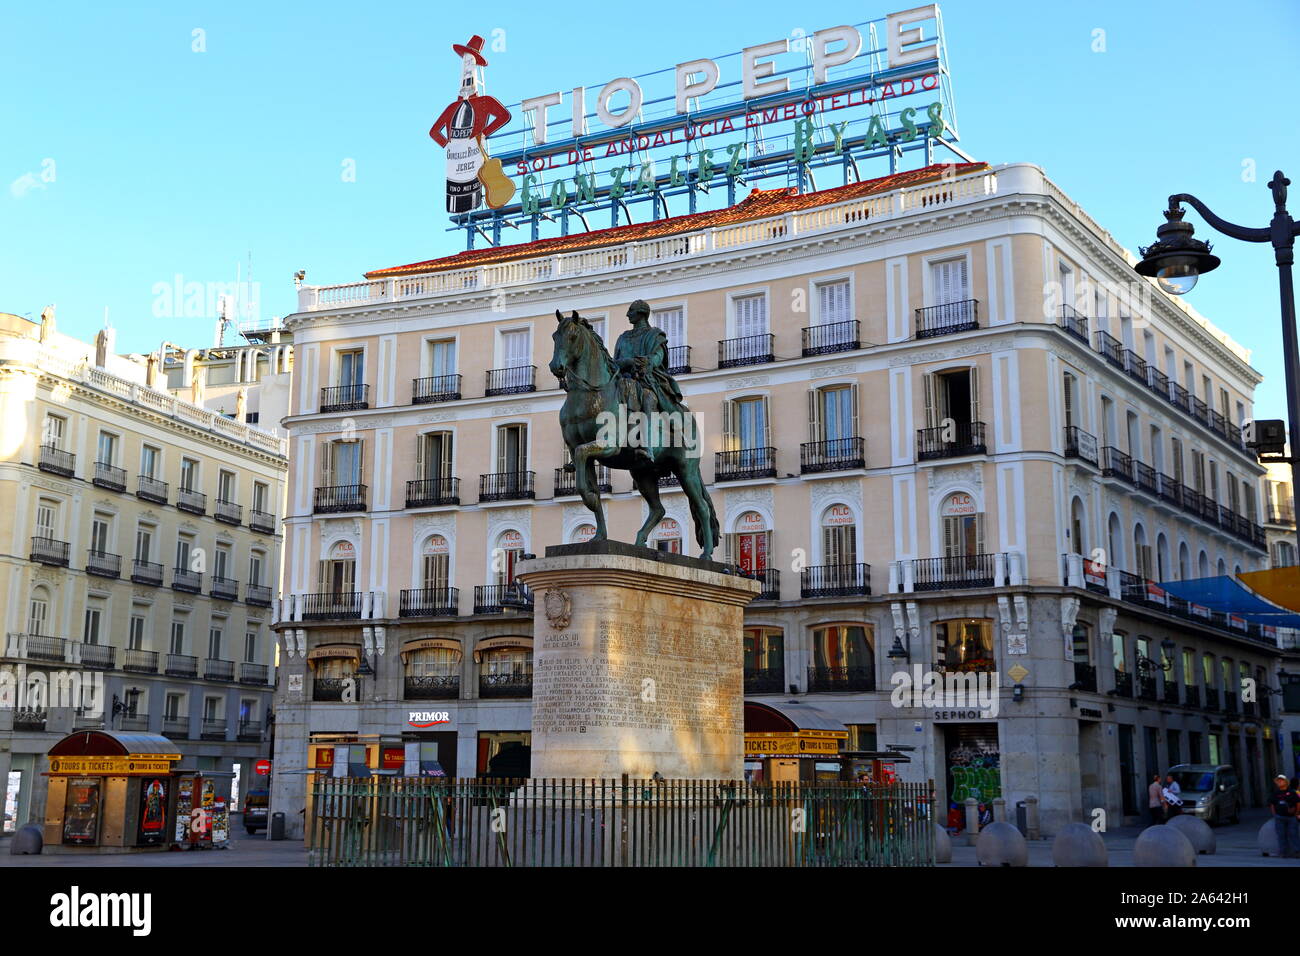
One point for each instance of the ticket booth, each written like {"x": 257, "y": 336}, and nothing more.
{"x": 789, "y": 742}
{"x": 109, "y": 792}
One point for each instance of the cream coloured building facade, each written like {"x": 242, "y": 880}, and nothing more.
{"x": 141, "y": 561}
{"x": 943, "y": 422}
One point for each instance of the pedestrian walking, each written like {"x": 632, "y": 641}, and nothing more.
{"x": 1156, "y": 800}
{"x": 1282, "y": 804}
{"x": 1172, "y": 794}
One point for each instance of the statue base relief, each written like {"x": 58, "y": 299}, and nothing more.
{"x": 638, "y": 664}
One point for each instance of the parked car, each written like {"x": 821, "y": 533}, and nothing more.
{"x": 255, "y": 810}
{"x": 1210, "y": 791}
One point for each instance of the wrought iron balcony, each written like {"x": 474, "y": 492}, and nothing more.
{"x": 1230, "y": 703}
{"x": 146, "y": 572}
{"x": 1144, "y": 476}
{"x": 192, "y": 501}
{"x": 435, "y": 388}
{"x": 566, "y": 481}
{"x": 133, "y": 720}
{"x": 506, "y": 685}
{"x": 835, "y": 454}
{"x": 224, "y": 589}
{"x": 1111, "y": 349}
{"x": 258, "y": 595}
{"x": 1193, "y": 695}
{"x": 746, "y": 350}
{"x": 833, "y": 337}
{"x": 108, "y": 476}
{"x": 430, "y": 492}
{"x": 249, "y": 731}
{"x": 744, "y": 464}
{"x": 1211, "y": 698}
{"x": 431, "y": 687}
{"x": 511, "y": 381}
{"x": 767, "y": 680}
{"x": 495, "y": 598}
{"x": 140, "y": 662}
{"x": 679, "y": 360}
{"x": 1074, "y": 323}
{"x": 835, "y": 580}
{"x": 1281, "y": 512}
{"x": 50, "y": 551}
{"x": 176, "y": 728}
{"x": 103, "y": 564}
{"x": 214, "y": 728}
{"x": 251, "y": 673}
{"x": 216, "y": 669}
{"x": 950, "y": 441}
{"x": 344, "y": 398}
{"x": 769, "y": 578}
{"x": 32, "y": 721}
{"x": 57, "y": 461}
{"x": 1085, "y": 676}
{"x": 1123, "y": 683}
{"x": 183, "y": 579}
{"x": 947, "y": 318}
{"x": 955, "y": 572}
{"x": 332, "y": 606}
{"x": 429, "y": 602}
{"x": 1116, "y": 464}
{"x": 262, "y": 521}
{"x": 330, "y": 689}
{"x": 1080, "y": 444}
{"x": 1170, "y": 691}
{"x": 840, "y": 679}
{"x": 148, "y": 488}
{"x": 97, "y": 656}
{"x": 506, "y": 486}
{"x": 229, "y": 512}
{"x": 334, "y": 499}
{"x": 1146, "y": 687}
{"x": 36, "y": 647}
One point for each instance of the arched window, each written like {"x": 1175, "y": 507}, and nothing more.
{"x": 435, "y": 559}
{"x": 582, "y": 534}
{"x": 1221, "y": 568}
{"x": 1203, "y": 565}
{"x": 338, "y": 572}
{"x": 505, "y": 667}
{"x": 839, "y": 536}
{"x": 963, "y": 526}
{"x": 1162, "y": 557}
{"x": 1114, "y": 543}
{"x": 764, "y": 660}
{"x": 1077, "y": 542}
{"x": 432, "y": 669}
{"x": 38, "y": 611}
{"x": 667, "y": 536}
{"x": 507, "y": 552}
{"x": 1184, "y": 561}
{"x": 748, "y": 544}
{"x": 1142, "y": 552}
{"x": 842, "y": 658}
{"x": 965, "y": 645}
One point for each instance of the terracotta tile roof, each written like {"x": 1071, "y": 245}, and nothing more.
{"x": 759, "y": 204}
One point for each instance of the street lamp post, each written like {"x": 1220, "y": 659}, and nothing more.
{"x": 1176, "y": 260}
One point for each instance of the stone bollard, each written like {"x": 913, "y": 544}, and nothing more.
{"x": 1001, "y": 844}
{"x": 1031, "y": 819}
{"x": 1163, "y": 846}
{"x": 972, "y": 821}
{"x": 1079, "y": 845}
{"x": 999, "y": 810}
{"x": 942, "y": 845}
{"x": 1268, "y": 845}
{"x": 30, "y": 839}
{"x": 1196, "y": 830}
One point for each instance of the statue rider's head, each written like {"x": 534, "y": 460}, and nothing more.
{"x": 638, "y": 311}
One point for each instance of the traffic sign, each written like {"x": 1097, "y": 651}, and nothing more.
{"x": 262, "y": 767}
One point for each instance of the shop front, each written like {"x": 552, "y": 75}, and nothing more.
{"x": 972, "y": 769}
{"x": 792, "y": 742}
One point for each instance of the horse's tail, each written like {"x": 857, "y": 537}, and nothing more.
{"x": 713, "y": 523}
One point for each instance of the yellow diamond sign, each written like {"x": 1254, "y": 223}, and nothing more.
{"x": 1018, "y": 673}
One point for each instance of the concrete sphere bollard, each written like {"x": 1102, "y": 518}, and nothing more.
{"x": 1163, "y": 846}
{"x": 1268, "y": 845}
{"x": 942, "y": 845}
{"x": 1196, "y": 830}
{"x": 1079, "y": 845}
{"x": 1001, "y": 844}
{"x": 29, "y": 840}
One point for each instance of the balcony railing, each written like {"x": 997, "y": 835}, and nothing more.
{"x": 258, "y": 595}
{"x": 950, "y": 441}
{"x": 1193, "y": 695}
{"x": 98, "y": 656}
{"x": 746, "y": 350}
{"x": 1074, "y": 323}
{"x": 57, "y": 461}
{"x": 832, "y": 337}
{"x": 435, "y": 388}
{"x": 1170, "y": 691}
{"x": 835, "y": 454}
{"x": 224, "y": 589}
{"x": 134, "y": 720}
{"x": 249, "y": 731}
{"x": 146, "y": 572}
{"x": 332, "y": 606}
{"x": 506, "y": 685}
{"x": 333, "y": 499}
{"x": 566, "y": 481}
{"x": 1123, "y": 684}
{"x": 262, "y": 521}
{"x": 835, "y": 580}
{"x": 1085, "y": 676}
{"x": 108, "y": 476}
{"x": 1230, "y": 703}
{"x": 679, "y": 360}
{"x": 431, "y": 687}
{"x": 177, "y": 728}
{"x": 148, "y": 488}
{"x": 506, "y": 486}
{"x": 140, "y": 662}
{"x": 1211, "y": 698}
{"x": 251, "y": 673}
{"x": 103, "y": 564}
{"x": 229, "y": 512}
{"x": 495, "y": 598}
{"x": 330, "y": 689}
{"x": 32, "y": 721}
{"x": 768, "y": 680}
{"x": 431, "y": 492}
{"x": 344, "y": 398}
{"x": 769, "y": 578}
{"x": 192, "y": 501}
{"x": 36, "y": 647}
{"x": 1080, "y": 444}
{"x": 955, "y": 572}
{"x": 216, "y": 669}
{"x": 1111, "y": 349}
{"x": 183, "y": 579}
{"x": 841, "y": 679}
{"x": 214, "y": 728}
{"x": 947, "y": 318}
{"x": 1116, "y": 464}
{"x": 511, "y": 381}
{"x": 1282, "y": 512}
{"x": 429, "y": 602}
{"x": 744, "y": 464}
{"x": 1146, "y": 687}
{"x": 50, "y": 551}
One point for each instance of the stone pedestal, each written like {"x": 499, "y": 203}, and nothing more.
{"x": 638, "y": 664}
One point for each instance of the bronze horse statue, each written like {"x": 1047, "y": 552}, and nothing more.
{"x": 596, "y": 404}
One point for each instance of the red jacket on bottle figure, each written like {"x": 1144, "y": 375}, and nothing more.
{"x": 462, "y": 126}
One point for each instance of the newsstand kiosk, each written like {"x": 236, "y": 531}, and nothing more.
{"x": 201, "y": 811}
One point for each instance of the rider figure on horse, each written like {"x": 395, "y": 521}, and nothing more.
{"x": 644, "y": 384}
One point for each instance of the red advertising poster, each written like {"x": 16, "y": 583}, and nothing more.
{"x": 81, "y": 812}
{"x": 394, "y": 758}
{"x": 1094, "y": 573}
{"x": 153, "y": 812}
{"x": 324, "y": 758}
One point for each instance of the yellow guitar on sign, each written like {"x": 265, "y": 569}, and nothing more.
{"x": 497, "y": 186}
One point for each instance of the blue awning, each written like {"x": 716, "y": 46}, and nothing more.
{"x": 1227, "y": 595}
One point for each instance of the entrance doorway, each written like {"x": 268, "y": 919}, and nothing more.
{"x": 972, "y": 768}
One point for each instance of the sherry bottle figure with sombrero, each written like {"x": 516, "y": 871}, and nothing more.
{"x": 461, "y": 128}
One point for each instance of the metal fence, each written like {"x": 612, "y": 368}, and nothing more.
{"x": 439, "y": 821}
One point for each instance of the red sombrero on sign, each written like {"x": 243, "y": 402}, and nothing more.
{"x": 473, "y": 48}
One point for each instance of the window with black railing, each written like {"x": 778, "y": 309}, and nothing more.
{"x": 746, "y": 350}
{"x": 1170, "y": 693}
{"x": 98, "y": 656}
{"x": 1116, "y": 464}
{"x": 429, "y": 602}
{"x": 1123, "y": 683}
{"x": 258, "y": 595}
{"x": 195, "y": 502}
{"x": 148, "y": 488}
{"x": 511, "y": 381}
{"x": 435, "y": 388}
{"x": 215, "y": 669}
{"x": 330, "y": 689}
{"x": 344, "y": 398}
{"x": 832, "y": 679}
{"x": 213, "y": 728}
{"x": 50, "y": 551}
{"x": 1211, "y": 698}
{"x": 947, "y": 318}
{"x": 495, "y": 598}
{"x": 228, "y": 512}
{"x": 506, "y": 486}
{"x": 331, "y": 606}
{"x": 1074, "y": 323}
{"x": 253, "y": 673}
{"x": 183, "y": 579}
{"x": 955, "y": 571}
{"x": 764, "y": 680}
{"x": 146, "y": 572}
{"x": 835, "y": 580}
{"x": 1146, "y": 687}
{"x": 517, "y": 682}
{"x": 566, "y": 481}
{"x": 679, "y": 360}
{"x": 950, "y": 441}
{"x": 182, "y": 665}
{"x": 744, "y": 463}
{"x": 109, "y": 476}
{"x": 262, "y": 521}
{"x": 835, "y": 454}
{"x": 224, "y": 589}
{"x": 338, "y": 498}
{"x": 1080, "y": 444}
{"x": 103, "y": 564}
{"x": 769, "y": 578}
{"x": 1111, "y": 349}
{"x": 1085, "y": 676}
{"x": 57, "y": 461}
{"x": 432, "y": 492}
{"x": 139, "y": 661}
{"x": 431, "y": 687}
{"x": 249, "y": 731}
{"x": 831, "y": 337}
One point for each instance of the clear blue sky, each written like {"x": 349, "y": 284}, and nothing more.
{"x": 168, "y": 161}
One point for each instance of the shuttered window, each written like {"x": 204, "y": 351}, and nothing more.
{"x": 673, "y": 323}
{"x": 745, "y": 424}
{"x": 963, "y": 535}
{"x": 515, "y": 348}
{"x": 435, "y": 570}
{"x": 833, "y": 304}
{"x": 1069, "y": 387}
{"x": 839, "y": 544}
{"x": 751, "y": 314}
{"x": 833, "y": 414}
{"x": 512, "y": 448}
{"x": 433, "y": 455}
{"x": 950, "y": 282}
